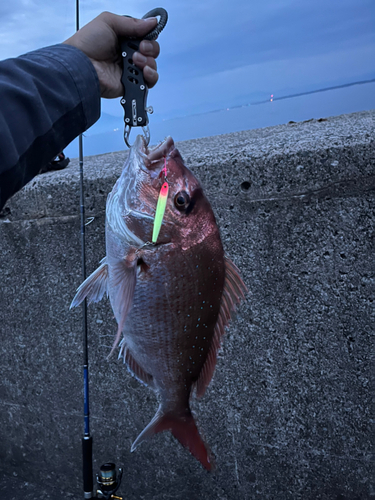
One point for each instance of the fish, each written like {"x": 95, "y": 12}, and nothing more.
{"x": 172, "y": 298}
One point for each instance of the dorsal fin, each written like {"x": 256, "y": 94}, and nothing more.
{"x": 234, "y": 291}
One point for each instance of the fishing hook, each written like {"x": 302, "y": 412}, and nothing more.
{"x": 89, "y": 220}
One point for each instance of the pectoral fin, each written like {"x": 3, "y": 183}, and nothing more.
{"x": 94, "y": 287}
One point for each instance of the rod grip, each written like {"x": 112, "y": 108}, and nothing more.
{"x": 88, "y": 484}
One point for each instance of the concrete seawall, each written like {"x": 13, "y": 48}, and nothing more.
{"x": 288, "y": 414}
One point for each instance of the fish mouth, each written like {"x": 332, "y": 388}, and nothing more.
{"x": 161, "y": 150}
{"x": 151, "y": 160}
{"x": 134, "y": 194}
{"x": 144, "y": 168}
{"x": 144, "y": 164}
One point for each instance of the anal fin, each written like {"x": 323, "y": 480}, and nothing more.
{"x": 134, "y": 367}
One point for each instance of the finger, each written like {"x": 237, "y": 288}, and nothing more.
{"x": 151, "y": 76}
{"x": 141, "y": 61}
{"x": 129, "y": 26}
{"x": 149, "y": 48}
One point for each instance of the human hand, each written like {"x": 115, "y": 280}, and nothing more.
{"x": 99, "y": 41}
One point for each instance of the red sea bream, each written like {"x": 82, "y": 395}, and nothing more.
{"x": 172, "y": 299}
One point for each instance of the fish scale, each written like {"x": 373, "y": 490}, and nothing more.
{"x": 172, "y": 298}
{"x": 158, "y": 311}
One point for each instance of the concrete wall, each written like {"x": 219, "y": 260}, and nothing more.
{"x": 288, "y": 412}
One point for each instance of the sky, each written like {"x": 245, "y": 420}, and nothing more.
{"x": 218, "y": 54}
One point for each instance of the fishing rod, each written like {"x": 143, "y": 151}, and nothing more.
{"x": 88, "y": 484}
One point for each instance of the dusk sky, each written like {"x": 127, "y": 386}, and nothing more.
{"x": 218, "y": 54}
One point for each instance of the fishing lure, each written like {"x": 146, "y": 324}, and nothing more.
{"x": 160, "y": 209}
{"x": 161, "y": 204}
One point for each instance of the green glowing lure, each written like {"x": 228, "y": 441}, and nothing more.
{"x": 160, "y": 209}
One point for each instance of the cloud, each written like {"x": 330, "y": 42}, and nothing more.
{"x": 256, "y": 81}
{"x": 237, "y": 37}
{"x": 219, "y": 52}
{"x": 28, "y": 25}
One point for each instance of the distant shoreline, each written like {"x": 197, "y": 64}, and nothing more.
{"x": 314, "y": 91}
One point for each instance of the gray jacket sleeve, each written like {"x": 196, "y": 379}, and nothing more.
{"x": 47, "y": 98}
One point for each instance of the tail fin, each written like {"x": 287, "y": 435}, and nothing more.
{"x": 183, "y": 428}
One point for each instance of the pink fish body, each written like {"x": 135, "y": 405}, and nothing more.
{"x": 173, "y": 299}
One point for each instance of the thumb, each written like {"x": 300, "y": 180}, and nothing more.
{"x": 129, "y": 26}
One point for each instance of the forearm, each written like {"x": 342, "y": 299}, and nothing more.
{"x": 47, "y": 98}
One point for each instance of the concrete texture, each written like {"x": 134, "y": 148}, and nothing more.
{"x": 288, "y": 414}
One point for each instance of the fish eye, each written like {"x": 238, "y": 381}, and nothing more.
{"x": 181, "y": 200}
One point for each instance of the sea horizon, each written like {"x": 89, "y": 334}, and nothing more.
{"x": 107, "y": 134}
